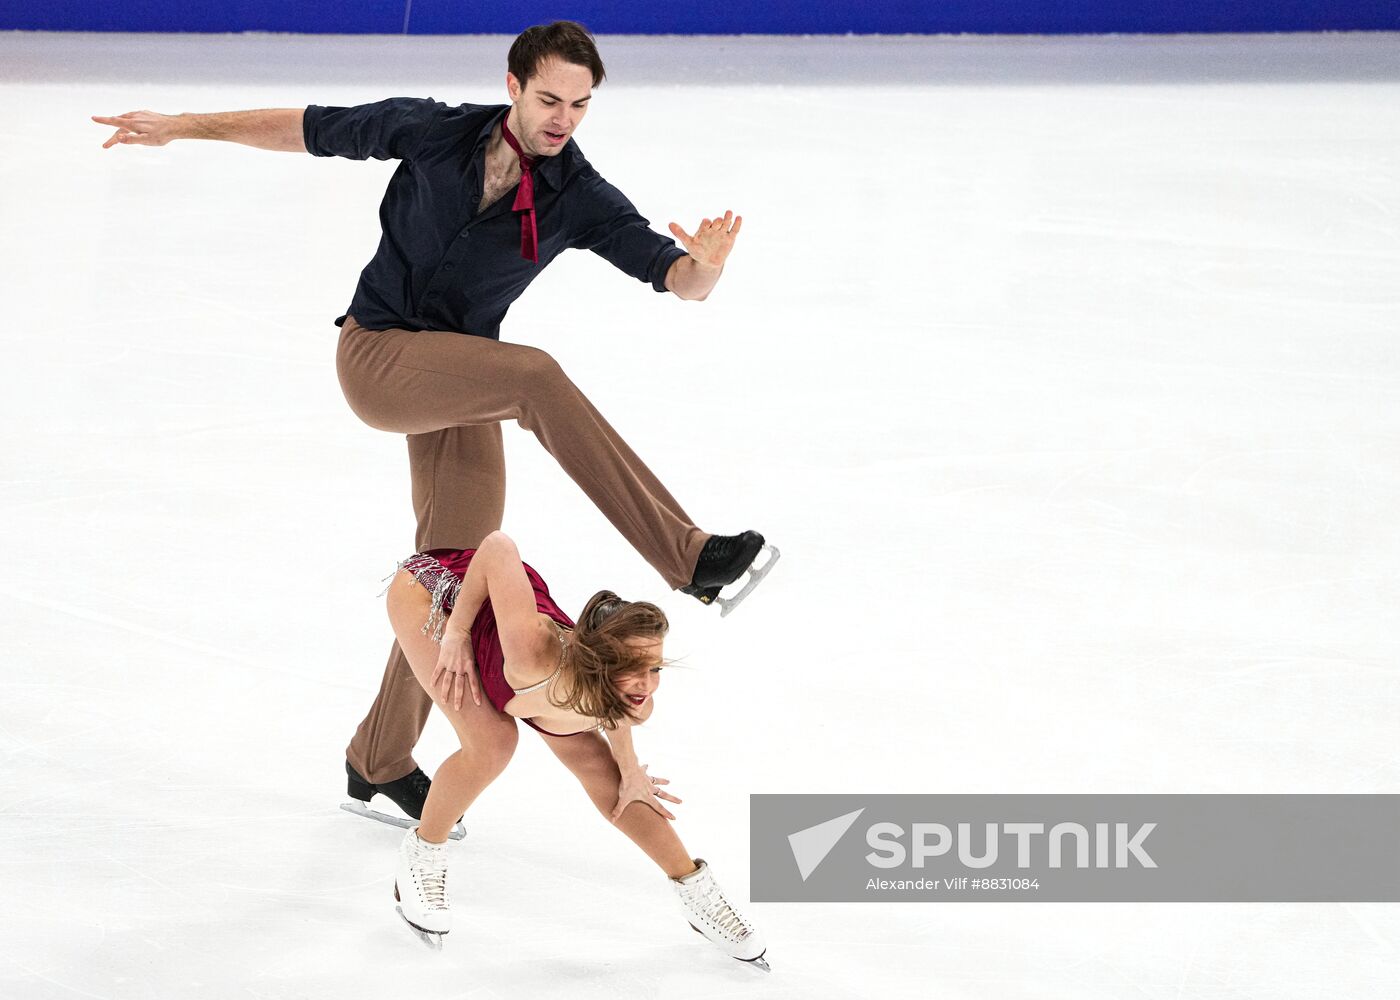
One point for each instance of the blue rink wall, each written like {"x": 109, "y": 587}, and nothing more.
{"x": 782, "y": 17}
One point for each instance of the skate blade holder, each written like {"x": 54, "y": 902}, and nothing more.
{"x": 756, "y": 574}
{"x": 402, "y": 822}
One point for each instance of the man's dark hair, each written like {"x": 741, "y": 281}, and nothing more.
{"x": 566, "y": 40}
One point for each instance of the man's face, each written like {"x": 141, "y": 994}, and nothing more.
{"x": 551, "y": 105}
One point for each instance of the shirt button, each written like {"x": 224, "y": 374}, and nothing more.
{"x": 448, "y": 266}
{"x": 462, "y": 235}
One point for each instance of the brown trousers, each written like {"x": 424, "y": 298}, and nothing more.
{"x": 449, "y": 393}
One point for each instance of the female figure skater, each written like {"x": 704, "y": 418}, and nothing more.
{"x": 480, "y": 621}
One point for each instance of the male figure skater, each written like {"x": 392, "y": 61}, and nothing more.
{"x": 419, "y": 350}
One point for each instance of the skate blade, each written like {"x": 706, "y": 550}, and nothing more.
{"x": 402, "y": 822}
{"x": 430, "y": 938}
{"x": 756, "y": 575}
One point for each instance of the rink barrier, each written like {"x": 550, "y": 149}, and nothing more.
{"x": 777, "y": 17}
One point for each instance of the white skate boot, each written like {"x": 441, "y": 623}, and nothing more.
{"x": 710, "y": 914}
{"x": 420, "y": 887}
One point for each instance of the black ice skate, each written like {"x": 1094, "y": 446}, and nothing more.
{"x": 408, "y": 793}
{"x": 722, "y": 561}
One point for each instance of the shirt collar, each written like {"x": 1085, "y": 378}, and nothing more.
{"x": 550, "y": 168}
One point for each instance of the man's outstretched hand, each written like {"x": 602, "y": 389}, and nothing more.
{"x": 140, "y": 128}
{"x": 713, "y": 239}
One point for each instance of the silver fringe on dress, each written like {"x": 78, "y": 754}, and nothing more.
{"x": 440, "y": 582}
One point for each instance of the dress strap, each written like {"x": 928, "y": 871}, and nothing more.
{"x": 536, "y": 687}
{"x": 559, "y": 632}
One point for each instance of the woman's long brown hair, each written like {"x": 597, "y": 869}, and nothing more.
{"x": 600, "y": 654}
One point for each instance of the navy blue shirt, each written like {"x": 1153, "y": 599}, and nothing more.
{"x": 441, "y": 265}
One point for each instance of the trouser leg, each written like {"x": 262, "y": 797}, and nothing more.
{"x": 458, "y": 496}
{"x": 459, "y": 485}
{"x": 416, "y": 383}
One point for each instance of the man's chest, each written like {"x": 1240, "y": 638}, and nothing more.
{"x": 458, "y": 211}
{"x": 495, "y": 184}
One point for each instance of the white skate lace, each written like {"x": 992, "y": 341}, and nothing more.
{"x": 705, "y": 897}
{"x": 430, "y": 872}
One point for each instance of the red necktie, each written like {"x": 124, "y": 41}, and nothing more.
{"x": 524, "y": 199}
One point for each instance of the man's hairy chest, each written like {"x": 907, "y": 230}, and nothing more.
{"x": 496, "y": 184}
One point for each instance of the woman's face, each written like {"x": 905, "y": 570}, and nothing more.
{"x": 638, "y": 687}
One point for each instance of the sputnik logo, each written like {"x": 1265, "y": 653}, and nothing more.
{"x": 811, "y": 846}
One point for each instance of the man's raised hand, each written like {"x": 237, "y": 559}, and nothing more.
{"x": 140, "y": 128}
{"x": 713, "y": 239}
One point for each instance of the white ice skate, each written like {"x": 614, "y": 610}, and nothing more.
{"x": 420, "y": 887}
{"x": 710, "y": 914}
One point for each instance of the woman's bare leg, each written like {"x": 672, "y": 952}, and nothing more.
{"x": 590, "y": 760}
{"x": 488, "y": 737}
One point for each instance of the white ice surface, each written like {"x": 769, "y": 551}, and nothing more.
{"x": 1065, "y": 373}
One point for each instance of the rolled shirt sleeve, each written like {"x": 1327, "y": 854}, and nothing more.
{"x": 386, "y": 130}
{"x": 611, "y": 227}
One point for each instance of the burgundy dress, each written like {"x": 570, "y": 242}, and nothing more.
{"x": 441, "y": 571}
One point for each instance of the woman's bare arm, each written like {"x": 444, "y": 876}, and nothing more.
{"x": 496, "y": 573}
{"x": 470, "y": 597}
{"x": 524, "y": 635}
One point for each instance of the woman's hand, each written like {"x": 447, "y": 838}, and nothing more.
{"x": 638, "y": 786}
{"x": 456, "y": 669}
